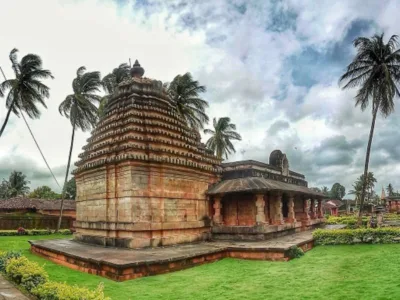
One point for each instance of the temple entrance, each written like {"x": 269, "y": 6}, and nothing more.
{"x": 239, "y": 210}
{"x": 285, "y": 205}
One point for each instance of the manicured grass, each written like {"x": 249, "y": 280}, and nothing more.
{"x": 326, "y": 272}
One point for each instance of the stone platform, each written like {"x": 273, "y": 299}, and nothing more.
{"x": 124, "y": 264}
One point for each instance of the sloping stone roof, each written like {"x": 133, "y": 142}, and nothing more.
{"x": 39, "y": 204}
{"x": 259, "y": 184}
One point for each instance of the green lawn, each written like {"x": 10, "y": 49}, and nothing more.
{"x": 326, "y": 272}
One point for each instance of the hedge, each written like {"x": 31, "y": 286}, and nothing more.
{"x": 63, "y": 291}
{"x": 388, "y": 235}
{"x": 346, "y": 220}
{"x": 33, "y": 232}
{"x": 33, "y": 278}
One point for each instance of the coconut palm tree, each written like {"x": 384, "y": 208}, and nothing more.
{"x": 376, "y": 71}
{"x": 80, "y": 109}
{"x": 26, "y": 89}
{"x": 390, "y": 190}
{"x": 222, "y": 135}
{"x": 184, "y": 92}
{"x": 15, "y": 186}
{"x": 111, "y": 81}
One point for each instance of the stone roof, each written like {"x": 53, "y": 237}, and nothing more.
{"x": 392, "y": 198}
{"x": 259, "y": 184}
{"x": 39, "y": 204}
{"x": 332, "y": 203}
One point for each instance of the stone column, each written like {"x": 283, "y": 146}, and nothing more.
{"x": 319, "y": 209}
{"x": 312, "y": 209}
{"x": 217, "y": 218}
{"x": 291, "y": 214}
{"x": 277, "y": 211}
{"x": 306, "y": 209}
{"x": 260, "y": 204}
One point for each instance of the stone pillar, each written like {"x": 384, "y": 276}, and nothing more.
{"x": 291, "y": 214}
{"x": 277, "y": 216}
{"x": 260, "y": 204}
{"x": 312, "y": 209}
{"x": 217, "y": 218}
{"x": 306, "y": 209}
{"x": 319, "y": 209}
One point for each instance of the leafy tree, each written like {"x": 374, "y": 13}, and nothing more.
{"x": 356, "y": 191}
{"x": 337, "y": 191}
{"x": 70, "y": 189}
{"x": 110, "y": 82}
{"x": 375, "y": 70}
{"x": 26, "y": 89}
{"x": 390, "y": 190}
{"x": 80, "y": 110}
{"x": 44, "y": 192}
{"x": 222, "y": 135}
{"x": 15, "y": 186}
{"x": 184, "y": 92}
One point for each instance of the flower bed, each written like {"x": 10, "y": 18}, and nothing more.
{"x": 357, "y": 236}
{"x": 22, "y": 231}
{"x": 33, "y": 278}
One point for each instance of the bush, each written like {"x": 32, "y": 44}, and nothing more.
{"x": 295, "y": 252}
{"x": 5, "y": 257}
{"x": 63, "y": 291}
{"x": 357, "y": 236}
{"x": 26, "y": 273}
{"x": 348, "y": 220}
{"x": 33, "y": 232}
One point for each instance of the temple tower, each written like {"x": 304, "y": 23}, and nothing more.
{"x": 142, "y": 177}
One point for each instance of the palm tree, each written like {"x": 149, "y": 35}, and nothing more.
{"x": 376, "y": 71}
{"x": 26, "y": 90}
{"x": 390, "y": 190}
{"x": 80, "y": 110}
{"x": 220, "y": 141}
{"x": 325, "y": 191}
{"x": 17, "y": 185}
{"x": 111, "y": 81}
{"x": 357, "y": 187}
{"x": 184, "y": 92}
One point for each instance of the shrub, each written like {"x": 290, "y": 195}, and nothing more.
{"x": 295, "y": 252}
{"x": 356, "y": 236}
{"x": 26, "y": 273}
{"x": 5, "y": 257}
{"x": 62, "y": 291}
{"x": 347, "y": 220}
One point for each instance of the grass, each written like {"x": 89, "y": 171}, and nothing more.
{"x": 326, "y": 272}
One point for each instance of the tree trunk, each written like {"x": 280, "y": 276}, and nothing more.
{"x": 66, "y": 179}
{"x": 371, "y": 134}
{"x": 7, "y": 117}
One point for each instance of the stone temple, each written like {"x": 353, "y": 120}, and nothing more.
{"x": 146, "y": 182}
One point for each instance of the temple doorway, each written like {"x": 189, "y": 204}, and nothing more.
{"x": 285, "y": 205}
{"x": 239, "y": 210}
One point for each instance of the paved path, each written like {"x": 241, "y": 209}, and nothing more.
{"x": 9, "y": 292}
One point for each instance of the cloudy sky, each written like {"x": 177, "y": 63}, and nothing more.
{"x": 272, "y": 66}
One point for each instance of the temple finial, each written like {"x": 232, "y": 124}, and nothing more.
{"x": 137, "y": 70}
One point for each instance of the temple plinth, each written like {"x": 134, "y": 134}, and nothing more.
{"x": 142, "y": 178}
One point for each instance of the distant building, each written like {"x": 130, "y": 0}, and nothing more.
{"x": 332, "y": 206}
{"x": 41, "y": 206}
{"x": 393, "y": 203}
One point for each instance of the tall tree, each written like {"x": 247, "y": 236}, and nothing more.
{"x": 15, "y": 186}
{"x": 337, "y": 191}
{"x": 221, "y": 140}
{"x": 26, "y": 90}
{"x": 356, "y": 191}
{"x": 110, "y": 82}
{"x": 184, "y": 92}
{"x": 390, "y": 190}
{"x": 376, "y": 71}
{"x": 80, "y": 109}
